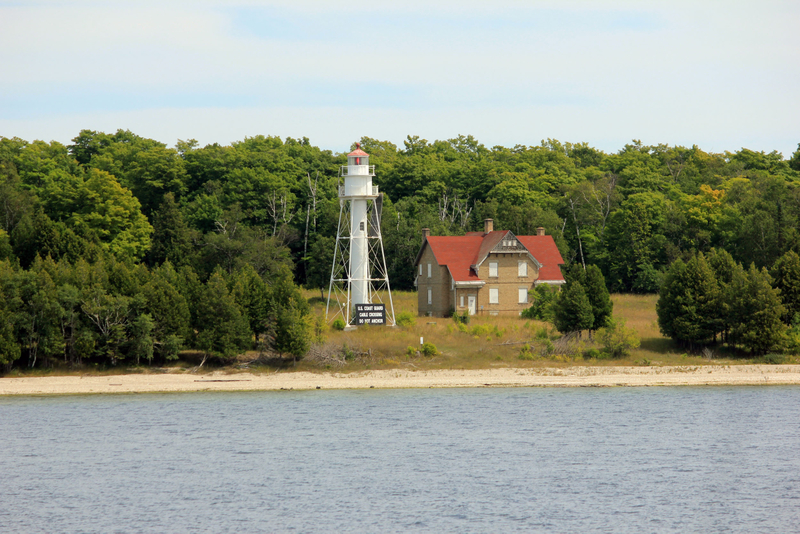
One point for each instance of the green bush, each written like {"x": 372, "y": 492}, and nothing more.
{"x": 480, "y": 330}
{"x": 543, "y": 297}
{"x": 338, "y": 324}
{"x": 429, "y": 349}
{"x": 592, "y": 354}
{"x": 347, "y": 352}
{"x": 461, "y": 318}
{"x": 542, "y": 333}
{"x": 525, "y": 353}
{"x": 406, "y": 319}
{"x": 410, "y": 351}
{"x": 617, "y": 339}
{"x": 773, "y": 359}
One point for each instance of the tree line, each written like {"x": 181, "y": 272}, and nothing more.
{"x": 110, "y": 311}
{"x": 268, "y": 207}
{"x": 713, "y": 300}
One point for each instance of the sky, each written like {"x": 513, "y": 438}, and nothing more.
{"x": 722, "y": 75}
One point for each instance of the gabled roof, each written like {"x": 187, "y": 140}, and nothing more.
{"x": 544, "y": 249}
{"x": 489, "y": 241}
{"x": 461, "y": 253}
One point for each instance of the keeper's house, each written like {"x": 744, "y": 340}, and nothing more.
{"x": 487, "y": 272}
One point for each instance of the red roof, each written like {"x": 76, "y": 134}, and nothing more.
{"x": 460, "y": 253}
{"x": 358, "y": 151}
{"x": 544, "y": 249}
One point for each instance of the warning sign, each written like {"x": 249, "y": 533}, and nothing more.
{"x": 370, "y": 314}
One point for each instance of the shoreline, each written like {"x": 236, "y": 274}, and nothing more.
{"x": 710, "y": 375}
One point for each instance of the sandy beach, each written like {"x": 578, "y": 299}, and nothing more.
{"x": 723, "y": 375}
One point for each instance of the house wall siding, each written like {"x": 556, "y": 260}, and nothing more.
{"x": 439, "y": 282}
{"x": 508, "y": 282}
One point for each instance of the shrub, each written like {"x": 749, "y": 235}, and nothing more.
{"x": 525, "y": 353}
{"x": 542, "y": 333}
{"x": 543, "y": 297}
{"x": 410, "y": 351}
{"x": 793, "y": 335}
{"x": 592, "y": 354}
{"x": 773, "y": 359}
{"x": 338, "y": 324}
{"x": 429, "y": 349}
{"x": 406, "y": 319}
{"x": 462, "y": 318}
{"x": 617, "y": 339}
{"x": 347, "y": 352}
{"x": 480, "y": 330}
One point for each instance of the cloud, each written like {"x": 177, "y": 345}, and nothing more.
{"x": 590, "y": 70}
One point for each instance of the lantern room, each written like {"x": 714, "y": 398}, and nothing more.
{"x": 358, "y": 157}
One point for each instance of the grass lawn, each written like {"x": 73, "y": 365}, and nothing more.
{"x": 494, "y": 341}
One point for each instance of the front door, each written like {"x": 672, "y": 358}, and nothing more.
{"x": 471, "y": 304}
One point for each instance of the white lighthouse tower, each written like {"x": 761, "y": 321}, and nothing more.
{"x": 359, "y": 284}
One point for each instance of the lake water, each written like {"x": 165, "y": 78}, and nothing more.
{"x": 685, "y": 459}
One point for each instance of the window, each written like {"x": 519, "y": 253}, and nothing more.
{"x": 430, "y": 295}
{"x": 494, "y": 295}
{"x": 492, "y": 269}
{"x": 429, "y": 270}
{"x": 523, "y": 295}
{"x": 361, "y": 226}
{"x": 522, "y": 269}
{"x": 461, "y": 302}
{"x": 420, "y": 269}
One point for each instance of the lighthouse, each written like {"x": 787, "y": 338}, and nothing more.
{"x": 359, "y": 289}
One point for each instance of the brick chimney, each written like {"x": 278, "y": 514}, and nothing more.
{"x": 488, "y": 225}
{"x": 425, "y": 233}
{"x": 540, "y": 230}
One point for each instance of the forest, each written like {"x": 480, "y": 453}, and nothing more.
{"x": 118, "y": 248}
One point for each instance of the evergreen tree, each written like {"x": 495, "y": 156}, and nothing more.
{"x": 141, "y": 329}
{"x": 10, "y": 350}
{"x": 687, "y": 301}
{"x": 725, "y": 268}
{"x": 786, "y": 278}
{"x": 595, "y": 287}
{"x": 223, "y": 331}
{"x": 573, "y": 311}
{"x": 253, "y": 297}
{"x": 168, "y": 309}
{"x": 172, "y": 239}
{"x": 756, "y": 312}
{"x": 575, "y": 273}
{"x": 292, "y": 330}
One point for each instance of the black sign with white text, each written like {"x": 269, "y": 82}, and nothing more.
{"x": 370, "y": 314}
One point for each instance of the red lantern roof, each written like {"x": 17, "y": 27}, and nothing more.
{"x": 358, "y": 151}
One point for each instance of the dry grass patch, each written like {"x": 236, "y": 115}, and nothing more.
{"x": 490, "y": 342}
